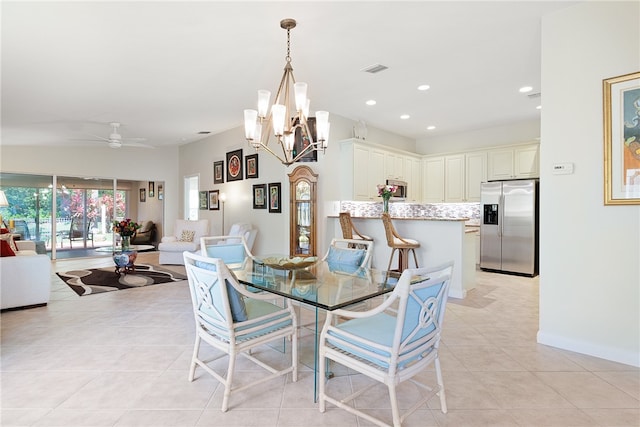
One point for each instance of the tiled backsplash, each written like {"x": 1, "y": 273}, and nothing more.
{"x": 415, "y": 210}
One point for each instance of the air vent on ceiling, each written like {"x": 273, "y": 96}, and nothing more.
{"x": 375, "y": 68}
{"x": 204, "y": 132}
{"x": 534, "y": 95}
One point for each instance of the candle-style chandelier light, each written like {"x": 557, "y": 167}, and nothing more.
{"x": 287, "y": 121}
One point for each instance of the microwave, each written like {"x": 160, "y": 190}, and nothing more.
{"x": 401, "y": 189}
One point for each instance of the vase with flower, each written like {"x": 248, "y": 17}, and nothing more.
{"x": 125, "y": 228}
{"x": 386, "y": 191}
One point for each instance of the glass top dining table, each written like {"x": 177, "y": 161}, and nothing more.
{"x": 317, "y": 283}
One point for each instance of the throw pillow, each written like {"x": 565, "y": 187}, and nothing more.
{"x": 8, "y": 237}
{"x": 187, "y": 235}
{"x": 5, "y": 249}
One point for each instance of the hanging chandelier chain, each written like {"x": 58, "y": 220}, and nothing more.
{"x": 288, "y": 57}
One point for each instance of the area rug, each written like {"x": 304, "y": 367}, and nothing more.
{"x": 98, "y": 280}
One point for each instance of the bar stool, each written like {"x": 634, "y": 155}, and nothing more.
{"x": 349, "y": 231}
{"x": 400, "y": 244}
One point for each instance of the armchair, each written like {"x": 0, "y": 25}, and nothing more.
{"x": 391, "y": 343}
{"x": 146, "y": 235}
{"x": 246, "y": 230}
{"x": 186, "y": 237}
{"x": 235, "y": 321}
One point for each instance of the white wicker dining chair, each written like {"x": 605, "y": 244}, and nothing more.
{"x": 390, "y": 343}
{"x": 235, "y": 321}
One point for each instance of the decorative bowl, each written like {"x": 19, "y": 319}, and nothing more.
{"x": 287, "y": 263}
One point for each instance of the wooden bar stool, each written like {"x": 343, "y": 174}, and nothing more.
{"x": 349, "y": 231}
{"x": 400, "y": 244}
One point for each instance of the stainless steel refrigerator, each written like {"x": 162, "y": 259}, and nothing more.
{"x": 509, "y": 226}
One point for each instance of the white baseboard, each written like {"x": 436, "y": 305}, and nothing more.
{"x": 591, "y": 349}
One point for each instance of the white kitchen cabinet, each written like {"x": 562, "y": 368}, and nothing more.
{"x": 414, "y": 181}
{"x": 527, "y": 161}
{"x": 514, "y": 162}
{"x": 433, "y": 181}
{"x": 475, "y": 174}
{"x": 454, "y": 167}
{"x": 365, "y": 166}
{"x": 394, "y": 166}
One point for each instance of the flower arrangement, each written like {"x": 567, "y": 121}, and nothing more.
{"x": 386, "y": 191}
{"x": 126, "y": 227}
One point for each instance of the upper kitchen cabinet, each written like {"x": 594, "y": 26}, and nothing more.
{"x": 520, "y": 161}
{"x": 454, "y": 178}
{"x": 475, "y": 174}
{"x": 367, "y": 165}
{"x": 364, "y": 168}
{"x": 433, "y": 179}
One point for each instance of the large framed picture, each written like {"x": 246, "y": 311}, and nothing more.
{"x": 218, "y": 172}
{"x": 203, "y": 200}
{"x": 301, "y": 143}
{"x": 621, "y": 98}
{"x": 234, "y": 165}
{"x": 260, "y": 196}
{"x": 275, "y": 198}
{"x": 214, "y": 200}
{"x": 251, "y": 166}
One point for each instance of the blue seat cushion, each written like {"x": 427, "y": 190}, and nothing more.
{"x": 229, "y": 253}
{"x": 236, "y": 301}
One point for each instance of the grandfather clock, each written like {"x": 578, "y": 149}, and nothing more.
{"x": 302, "y": 222}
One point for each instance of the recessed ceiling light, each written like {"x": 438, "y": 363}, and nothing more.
{"x": 423, "y": 87}
{"x": 431, "y": 127}
{"x": 405, "y": 116}
{"x": 539, "y": 107}
{"x": 371, "y": 102}
{"x": 526, "y": 89}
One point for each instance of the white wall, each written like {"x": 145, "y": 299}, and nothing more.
{"x": 137, "y": 164}
{"x": 589, "y": 253}
{"x": 513, "y": 133}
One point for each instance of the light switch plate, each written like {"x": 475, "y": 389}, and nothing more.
{"x": 563, "y": 168}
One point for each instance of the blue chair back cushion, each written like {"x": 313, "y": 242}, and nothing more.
{"x": 228, "y": 253}
{"x": 345, "y": 259}
{"x": 236, "y": 301}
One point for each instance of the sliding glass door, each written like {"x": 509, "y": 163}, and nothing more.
{"x": 78, "y": 222}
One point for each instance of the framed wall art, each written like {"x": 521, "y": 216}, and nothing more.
{"x": 251, "y": 166}
{"x": 214, "y": 200}
{"x": 260, "y": 196}
{"x": 143, "y": 195}
{"x": 203, "y": 200}
{"x": 151, "y": 188}
{"x": 218, "y": 172}
{"x": 621, "y": 98}
{"x": 160, "y": 192}
{"x": 234, "y": 165}
{"x": 300, "y": 142}
{"x": 275, "y": 197}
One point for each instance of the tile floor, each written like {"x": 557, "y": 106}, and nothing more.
{"x": 121, "y": 359}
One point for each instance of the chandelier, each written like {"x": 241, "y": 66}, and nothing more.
{"x": 287, "y": 121}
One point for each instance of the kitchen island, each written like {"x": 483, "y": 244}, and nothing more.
{"x": 441, "y": 240}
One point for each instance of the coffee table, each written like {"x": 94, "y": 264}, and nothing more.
{"x": 112, "y": 249}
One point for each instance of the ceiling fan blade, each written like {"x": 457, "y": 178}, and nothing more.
{"x": 136, "y": 144}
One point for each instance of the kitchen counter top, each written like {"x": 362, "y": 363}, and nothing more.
{"x": 401, "y": 218}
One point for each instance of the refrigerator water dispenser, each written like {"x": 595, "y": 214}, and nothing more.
{"x": 490, "y": 215}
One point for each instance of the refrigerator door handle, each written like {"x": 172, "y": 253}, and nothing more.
{"x": 501, "y": 215}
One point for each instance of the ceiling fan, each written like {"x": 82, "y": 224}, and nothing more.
{"x": 115, "y": 140}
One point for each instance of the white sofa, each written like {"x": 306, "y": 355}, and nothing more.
{"x": 25, "y": 279}
{"x": 171, "y": 248}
